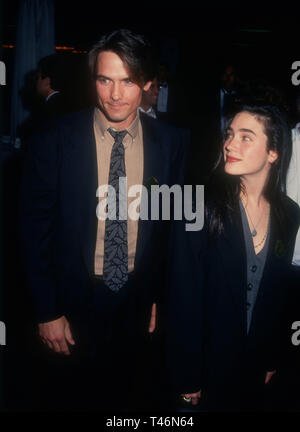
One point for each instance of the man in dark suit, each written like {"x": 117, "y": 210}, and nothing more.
{"x": 49, "y": 86}
{"x": 149, "y": 99}
{"x": 94, "y": 280}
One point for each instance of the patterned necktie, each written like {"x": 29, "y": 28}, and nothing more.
{"x": 115, "y": 265}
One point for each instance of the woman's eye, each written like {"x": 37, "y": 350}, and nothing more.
{"x": 246, "y": 138}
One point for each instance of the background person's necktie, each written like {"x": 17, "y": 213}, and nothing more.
{"x": 115, "y": 265}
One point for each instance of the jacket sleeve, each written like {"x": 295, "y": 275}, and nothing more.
{"x": 178, "y": 157}
{"x": 39, "y": 210}
{"x": 185, "y": 300}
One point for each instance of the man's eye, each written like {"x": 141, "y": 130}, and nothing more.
{"x": 103, "y": 80}
{"x": 128, "y": 81}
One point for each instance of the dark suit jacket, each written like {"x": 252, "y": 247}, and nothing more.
{"x": 59, "y": 212}
{"x": 55, "y": 106}
{"x": 208, "y": 343}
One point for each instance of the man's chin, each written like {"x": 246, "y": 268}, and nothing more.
{"x": 113, "y": 117}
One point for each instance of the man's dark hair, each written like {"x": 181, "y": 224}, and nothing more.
{"x": 51, "y": 66}
{"x": 133, "y": 49}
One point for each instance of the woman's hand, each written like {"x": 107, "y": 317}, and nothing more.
{"x": 192, "y": 397}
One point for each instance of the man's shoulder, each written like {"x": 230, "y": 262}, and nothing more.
{"x": 57, "y": 132}
{"x": 158, "y": 123}
{"x": 163, "y": 129}
{"x": 76, "y": 119}
{"x": 73, "y": 121}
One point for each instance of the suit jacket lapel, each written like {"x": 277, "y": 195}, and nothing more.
{"x": 88, "y": 180}
{"x": 153, "y": 168}
{"x": 273, "y": 266}
{"x": 233, "y": 257}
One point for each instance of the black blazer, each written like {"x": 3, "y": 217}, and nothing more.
{"x": 208, "y": 344}
{"x": 59, "y": 211}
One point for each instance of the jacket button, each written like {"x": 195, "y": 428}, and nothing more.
{"x": 254, "y": 268}
{"x": 249, "y": 286}
{"x": 248, "y": 305}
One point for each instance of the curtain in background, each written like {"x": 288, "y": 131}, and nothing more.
{"x": 34, "y": 40}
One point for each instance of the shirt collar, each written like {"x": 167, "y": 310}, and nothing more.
{"x": 297, "y": 128}
{"x": 50, "y": 95}
{"x": 103, "y": 125}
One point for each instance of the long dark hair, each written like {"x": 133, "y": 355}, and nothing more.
{"x": 224, "y": 189}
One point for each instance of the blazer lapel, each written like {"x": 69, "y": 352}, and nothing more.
{"x": 273, "y": 266}
{"x": 232, "y": 251}
{"x": 88, "y": 180}
{"x": 153, "y": 168}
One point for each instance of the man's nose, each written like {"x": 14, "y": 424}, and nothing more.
{"x": 116, "y": 91}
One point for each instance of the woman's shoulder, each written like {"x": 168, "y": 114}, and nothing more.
{"x": 291, "y": 208}
{"x": 291, "y": 213}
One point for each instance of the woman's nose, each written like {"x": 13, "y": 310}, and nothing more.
{"x": 231, "y": 143}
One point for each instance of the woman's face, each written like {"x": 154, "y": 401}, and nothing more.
{"x": 245, "y": 149}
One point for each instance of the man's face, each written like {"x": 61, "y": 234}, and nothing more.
{"x": 150, "y": 96}
{"x": 42, "y": 85}
{"x": 229, "y": 78}
{"x": 118, "y": 97}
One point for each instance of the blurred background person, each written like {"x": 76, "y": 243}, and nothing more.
{"x": 50, "y": 85}
{"x": 149, "y": 99}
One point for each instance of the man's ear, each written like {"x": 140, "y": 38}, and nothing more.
{"x": 147, "y": 86}
{"x": 273, "y": 156}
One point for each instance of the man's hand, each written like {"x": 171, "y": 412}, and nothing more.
{"x": 194, "y": 397}
{"x": 57, "y": 334}
{"x": 269, "y": 376}
{"x": 152, "y": 324}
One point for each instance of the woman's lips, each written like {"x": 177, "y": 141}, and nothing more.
{"x": 232, "y": 159}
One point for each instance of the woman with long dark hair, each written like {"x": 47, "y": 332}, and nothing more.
{"x": 230, "y": 282}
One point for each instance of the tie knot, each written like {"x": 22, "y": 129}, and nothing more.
{"x": 117, "y": 135}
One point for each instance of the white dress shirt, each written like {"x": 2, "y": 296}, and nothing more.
{"x": 150, "y": 112}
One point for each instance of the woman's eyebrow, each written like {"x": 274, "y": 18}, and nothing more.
{"x": 247, "y": 130}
